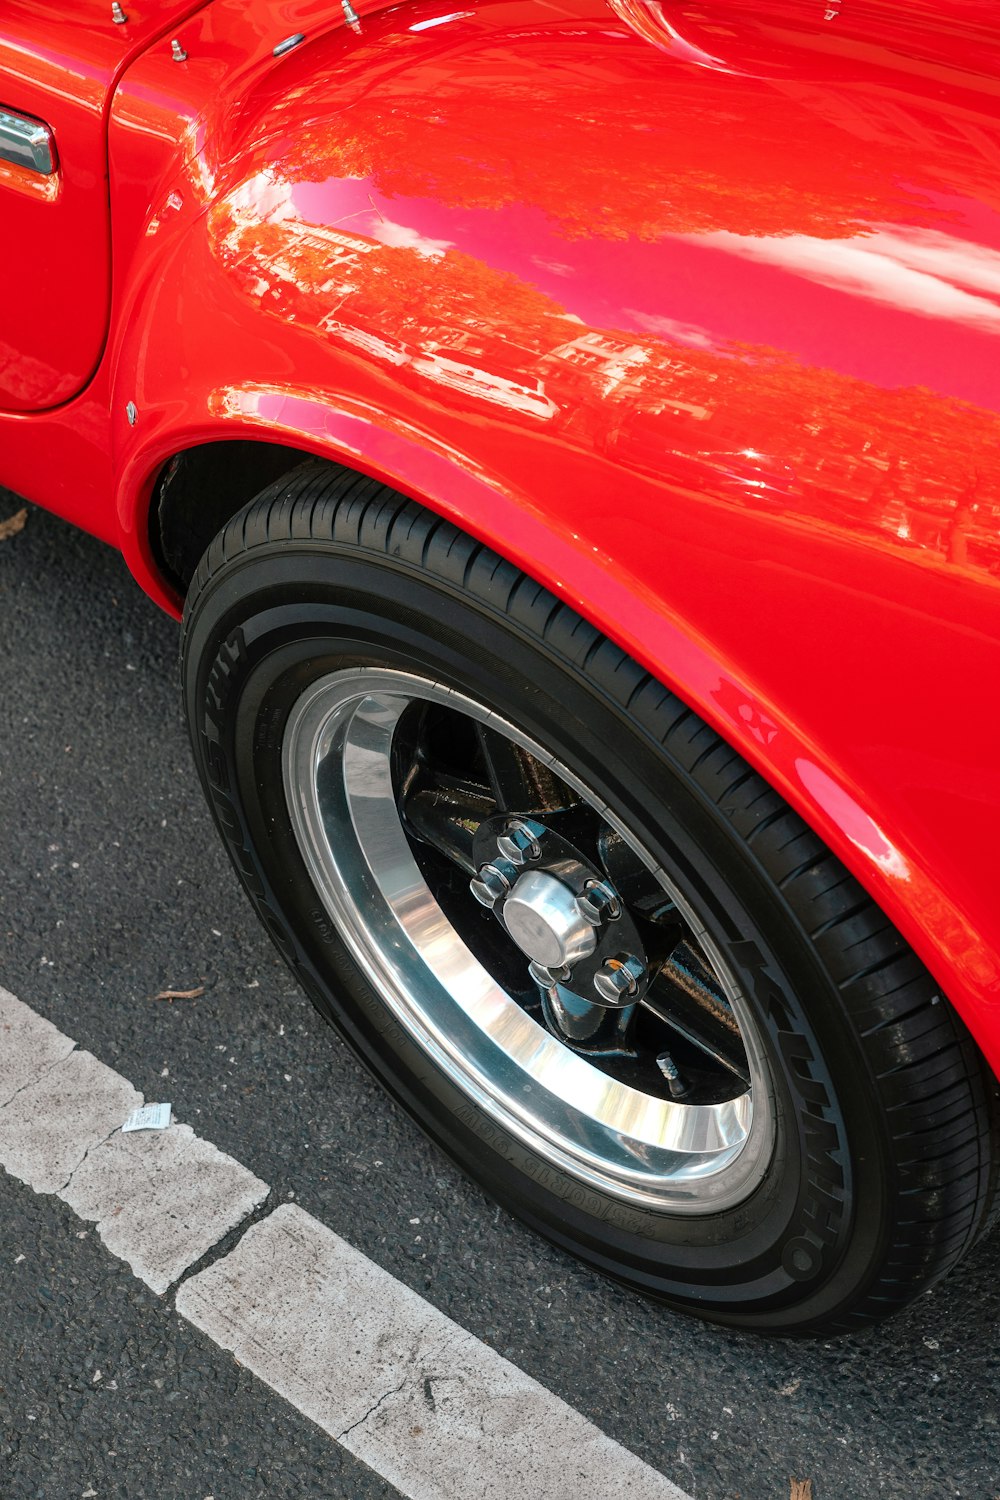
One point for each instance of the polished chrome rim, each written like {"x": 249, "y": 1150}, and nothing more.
{"x": 408, "y": 853}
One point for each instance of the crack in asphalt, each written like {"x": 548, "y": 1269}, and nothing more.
{"x": 227, "y": 1243}
{"x": 373, "y": 1408}
{"x": 94, "y": 1146}
{"x": 49, "y": 1068}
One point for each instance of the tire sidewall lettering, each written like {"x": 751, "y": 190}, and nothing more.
{"x": 221, "y": 688}
{"x": 823, "y": 1205}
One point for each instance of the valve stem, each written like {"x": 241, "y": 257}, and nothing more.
{"x": 676, "y": 1082}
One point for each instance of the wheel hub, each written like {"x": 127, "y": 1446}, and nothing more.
{"x": 544, "y": 918}
{"x": 564, "y": 916}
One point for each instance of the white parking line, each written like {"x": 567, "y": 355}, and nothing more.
{"x": 417, "y": 1398}
{"x": 160, "y": 1199}
{"x": 48, "y": 1127}
{"x": 29, "y": 1046}
{"x": 429, "y": 1407}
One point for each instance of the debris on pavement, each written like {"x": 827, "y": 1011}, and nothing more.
{"x": 148, "y": 1117}
{"x": 13, "y": 524}
{"x": 181, "y": 994}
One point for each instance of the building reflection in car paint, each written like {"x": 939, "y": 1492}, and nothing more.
{"x": 763, "y": 407}
{"x": 629, "y": 395}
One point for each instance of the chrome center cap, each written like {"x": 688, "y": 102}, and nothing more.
{"x": 543, "y": 917}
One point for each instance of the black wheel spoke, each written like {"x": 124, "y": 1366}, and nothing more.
{"x": 687, "y": 999}
{"x": 440, "y": 803}
{"x": 447, "y": 819}
{"x": 451, "y": 780}
{"x": 519, "y": 782}
{"x": 634, "y": 881}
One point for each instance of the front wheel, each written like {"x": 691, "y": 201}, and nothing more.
{"x": 589, "y": 949}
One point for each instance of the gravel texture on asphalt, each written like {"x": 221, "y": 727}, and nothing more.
{"x": 105, "y": 1391}
{"x": 113, "y": 887}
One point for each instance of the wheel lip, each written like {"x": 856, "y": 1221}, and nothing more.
{"x": 674, "y": 1157}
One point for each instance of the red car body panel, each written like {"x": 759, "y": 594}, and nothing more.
{"x": 62, "y": 69}
{"x": 690, "y": 311}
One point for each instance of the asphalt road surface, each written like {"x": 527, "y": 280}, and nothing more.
{"x": 113, "y": 888}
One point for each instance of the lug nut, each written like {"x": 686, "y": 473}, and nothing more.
{"x": 489, "y": 886}
{"x": 598, "y": 903}
{"x": 619, "y": 979}
{"x": 519, "y": 843}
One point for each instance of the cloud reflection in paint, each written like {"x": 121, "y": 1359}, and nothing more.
{"x": 917, "y": 271}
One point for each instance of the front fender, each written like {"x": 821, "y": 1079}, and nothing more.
{"x": 712, "y": 375}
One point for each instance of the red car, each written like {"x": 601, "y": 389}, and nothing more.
{"x": 570, "y": 432}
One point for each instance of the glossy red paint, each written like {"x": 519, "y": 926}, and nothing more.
{"x": 61, "y": 69}
{"x": 689, "y": 310}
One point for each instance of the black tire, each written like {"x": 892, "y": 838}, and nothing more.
{"x": 879, "y": 1162}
